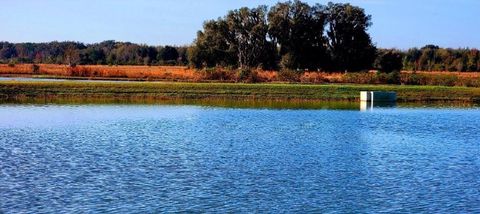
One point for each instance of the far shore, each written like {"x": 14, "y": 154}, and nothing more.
{"x": 149, "y": 83}
{"x": 18, "y": 90}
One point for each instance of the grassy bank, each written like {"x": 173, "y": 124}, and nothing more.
{"x": 168, "y": 90}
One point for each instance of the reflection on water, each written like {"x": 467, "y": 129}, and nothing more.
{"x": 369, "y": 105}
{"x": 215, "y": 102}
{"x": 234, "y": 103}
{"x": 29, "y": 79}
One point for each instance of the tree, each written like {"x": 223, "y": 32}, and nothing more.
{"x": 107, "y": 52}
{"x": 411, "y": 59}
{"x": 72, "y": 57}
{"x": 249, "y": 28}
{"x": 238, "y": 39}
{"x": 349, "y": 43}
{"x": 182, "y": 56}
{"x": 472, "y": 59}
{"x": 298, "y": 30}
{"x": 214, "y": 46}
{"x": 168, "y": 53}
{"x": 389, "y": 61}
{"x": 93, "y": 55}
{"x": 427, "y": 59}
{"x": 7, "y": 51}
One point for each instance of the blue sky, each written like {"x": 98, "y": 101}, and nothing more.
{"x": 396, "y": 23}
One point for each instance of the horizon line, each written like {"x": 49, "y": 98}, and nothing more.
{"x": 188, "y": 45}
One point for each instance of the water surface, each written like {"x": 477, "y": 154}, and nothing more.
{"x": 167, "y": 158}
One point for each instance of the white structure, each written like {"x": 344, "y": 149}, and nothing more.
{"x": 378, "y": 96}
{"x": 371, "y": 99}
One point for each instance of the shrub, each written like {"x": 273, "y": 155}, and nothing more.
{"x": 438, "y": 79}
{"x": 389, "y": 61}
{"x": 218, "y": 74}
{"x": 394, "y": 77}
{"x": 443, "y": 80}
{"x": 471, "y": 82}
{"x": 253, "y": 77}
{"x": 266, "y": 76}
{"x": 80, "y": 72}
{"x": 289, "y": 75}
{"x": 389, "y": 78}
{"x": 413, "y": 79}
{"x": 243, "y": 74}
{"x": 35, "y": 69}
{"x": 313, "y": 77}
{"x": 360, "y": 78}
{"x": 247, "y": 75}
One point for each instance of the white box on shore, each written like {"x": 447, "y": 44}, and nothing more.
{"x": 378, "y": 96}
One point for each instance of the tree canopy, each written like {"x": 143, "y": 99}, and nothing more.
{"x": 298, "y": 30}
{"x": 107, "y": 52}
{"x": 348, "y": 41}
{"x": 434, "y": 58}
{"x": 389, "y": 61}
{"x": 291, "y": 35}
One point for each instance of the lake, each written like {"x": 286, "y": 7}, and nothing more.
{"x": 189, "y": 158}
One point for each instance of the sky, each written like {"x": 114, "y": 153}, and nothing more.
{"x": 396, "y": 23}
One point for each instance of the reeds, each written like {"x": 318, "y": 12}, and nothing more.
{"x": 185, "y": 74}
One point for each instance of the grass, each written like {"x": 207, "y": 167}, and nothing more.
{"x": 238, "y": 91}
{"x": 105, "y": 71}
{"x": 185, "y": 74}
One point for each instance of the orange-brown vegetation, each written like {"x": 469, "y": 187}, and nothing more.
{"x": 185, "y": 74}
{"x": 103, "y": 71}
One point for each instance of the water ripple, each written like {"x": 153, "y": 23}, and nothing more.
{"x": 63, "y": 159}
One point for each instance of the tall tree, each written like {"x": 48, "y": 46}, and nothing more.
{"x": 168, "y": 53}
{"x": 249, "y": 27}
{"x": 411, "y": 60}
{"x": 298, "y": 29}
{"x": 472, "y": 58}
{"x": 427, "y": 59}
{"x": 214, "y": 45}
{"x": 389, "y": 61}
{"x": 349, "y": 43}
{"x": 72, "y": 56}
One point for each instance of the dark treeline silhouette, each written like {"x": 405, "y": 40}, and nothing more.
{"x": 428, "y": 58}
{"x": 297, "y": 36}
{"x": 104, "y": 53}
{"x": 434, "y": 58}
{"x": 289, "y": 36}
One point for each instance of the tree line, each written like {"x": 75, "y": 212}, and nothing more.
{"x": 289, "y": 35}
{"x": 104, "y": 53}
{"x": 428, "y": 58}
{"x": 434, "y": 58}
{"x": 292, "y": 36}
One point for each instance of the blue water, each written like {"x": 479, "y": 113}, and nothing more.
{"x": 133, "y": 158}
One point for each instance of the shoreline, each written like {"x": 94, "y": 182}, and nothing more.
{"x": 18, "y": 90}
